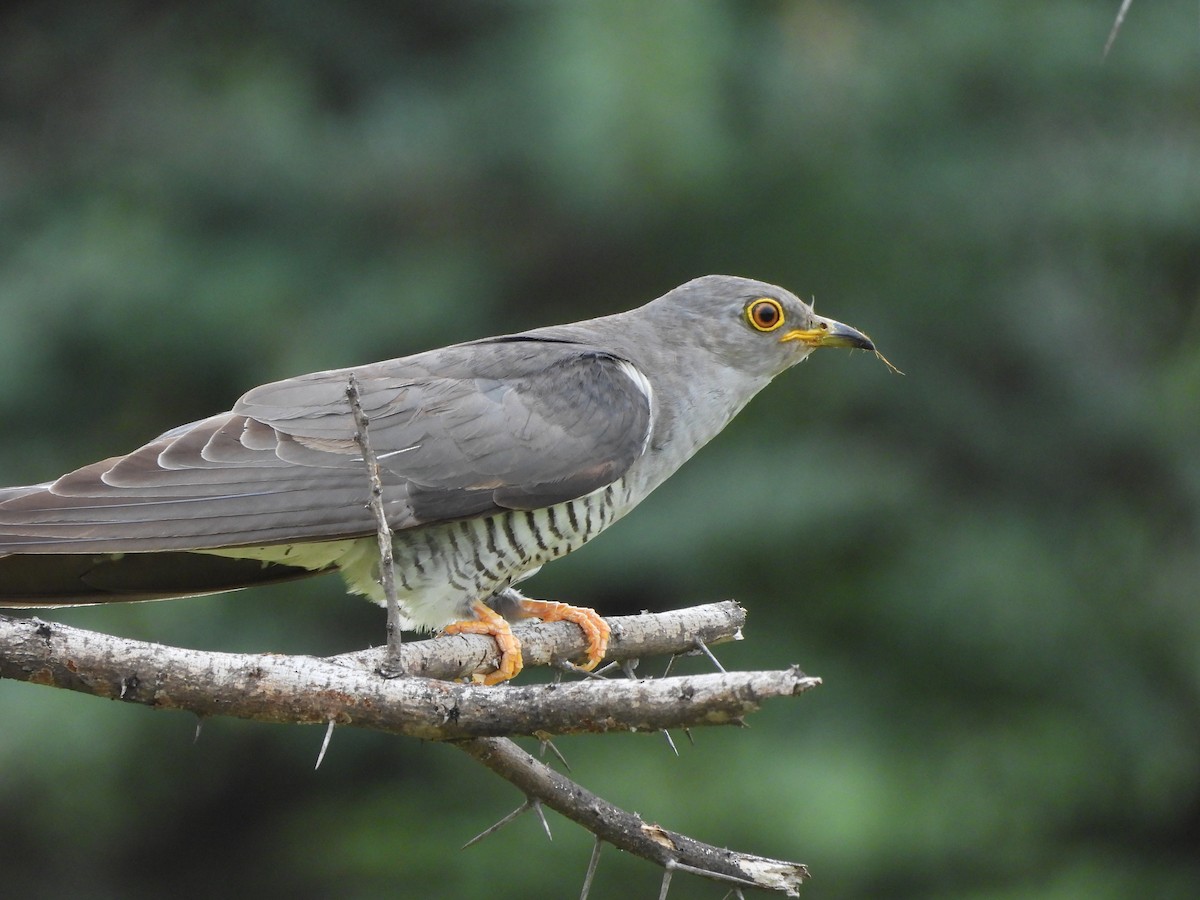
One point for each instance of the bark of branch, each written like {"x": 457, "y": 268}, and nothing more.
{"x": 628, "y": 831}
{"x": 346, "y": 690}
{"x": 633, "y": 637}
{"x": 299, "y": 689}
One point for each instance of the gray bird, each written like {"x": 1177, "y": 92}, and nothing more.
{"x": 496, "y": 456}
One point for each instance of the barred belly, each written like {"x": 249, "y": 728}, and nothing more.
{"x": 442, "y": 569}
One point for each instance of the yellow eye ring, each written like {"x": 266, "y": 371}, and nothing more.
{"x": 765, "y": 314}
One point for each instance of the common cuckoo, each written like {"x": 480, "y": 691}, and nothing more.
{"x": 496, "y": 456}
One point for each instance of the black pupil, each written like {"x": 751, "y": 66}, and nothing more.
{"x": 766, "y": 314}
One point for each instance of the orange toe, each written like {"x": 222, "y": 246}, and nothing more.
{"x": 488, "y": 621}
{"x": 595, "y": 629}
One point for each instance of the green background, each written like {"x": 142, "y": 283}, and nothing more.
{"x": 993, "y": 561}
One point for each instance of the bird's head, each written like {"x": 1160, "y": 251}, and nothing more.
{"x": 752, "y": 326}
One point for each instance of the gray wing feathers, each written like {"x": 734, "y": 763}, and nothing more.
{"x": 506, "y": 423}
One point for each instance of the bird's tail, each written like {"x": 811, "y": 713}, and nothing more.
{"x": 79, "y": 579}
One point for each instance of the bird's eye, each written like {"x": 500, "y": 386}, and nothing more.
{"x": 765, "y": 314}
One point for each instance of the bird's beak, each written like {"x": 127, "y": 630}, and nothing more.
{"x": 828, "y": 333}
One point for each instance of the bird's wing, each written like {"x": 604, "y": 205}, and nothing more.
{"x": 516, "y": 423}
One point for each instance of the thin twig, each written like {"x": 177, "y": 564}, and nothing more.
{"x": 628, "y": 831}
{"x": 390, "y": 667}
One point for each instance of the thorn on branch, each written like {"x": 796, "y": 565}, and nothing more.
{"x": 670, "y": 741}
{"x": 709, "y": 873}
{"x": 703, "y": 648}
{"x": 530, "y": 804}
{"x": 324, "y": 744}
{"x": 537, "y": 808}
{"x": 629, "y": 667}
{"x": 591, "y": 869}
{"x": 565, "y": 665}
{"x": 545, "y": 743}
{"x": 1120, "y": 20}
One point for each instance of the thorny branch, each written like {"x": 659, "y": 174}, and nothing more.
{"x": 628, "y": 831}
{"x": 300, "y": 689}
{"x": 347, "y": 690}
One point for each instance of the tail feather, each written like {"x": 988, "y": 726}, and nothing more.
{"x": 78, "y": 579}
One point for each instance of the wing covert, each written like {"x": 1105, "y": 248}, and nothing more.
{"x": 462, "y": 431}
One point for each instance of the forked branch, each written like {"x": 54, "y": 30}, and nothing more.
{"x": 300, "y": 689}
{"x": 628, "y": 831}
{"x": 346, "y": 690}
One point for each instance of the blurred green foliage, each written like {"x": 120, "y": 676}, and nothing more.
{"x": 993, "y": 562}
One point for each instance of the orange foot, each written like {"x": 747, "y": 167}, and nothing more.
{"x": 488, "y": 621}
{"x": 595, "y": 629}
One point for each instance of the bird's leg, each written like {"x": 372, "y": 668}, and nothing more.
{"x": 595, "y": 629}
{"x": 488, "y": 621}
